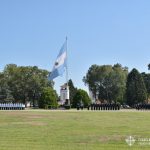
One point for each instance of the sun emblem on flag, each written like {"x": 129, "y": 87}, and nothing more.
{"x": 56, "y": 63}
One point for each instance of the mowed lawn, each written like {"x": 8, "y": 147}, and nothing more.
{"x": 72, "y": 130}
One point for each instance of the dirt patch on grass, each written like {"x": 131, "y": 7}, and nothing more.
{"x": 33, "y": 123}
{"x": 111, "y": 138}
{"x": 35, "y": 117}
{"x": 13, "y": 113}
{"x": 37, "y": 123}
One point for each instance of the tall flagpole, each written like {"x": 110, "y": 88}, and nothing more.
{"x": 67, "y": 89}
{"x": 67, "y": 61}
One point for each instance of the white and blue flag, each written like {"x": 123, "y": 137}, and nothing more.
{"x": 60, "y": 63}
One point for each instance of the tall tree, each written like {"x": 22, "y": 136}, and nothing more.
{"x": 92, "y": 79}
{"x": 136, "y": 90}
{"x": 81, "y": 96}
{"x": 146, "y": 77}
{"x": 5, "y": 93}
{"x": 48, "y": 98}
{"x": 107, "y": 82}
{"x": 26, "y": 83}
{"x": 72, "y": 90}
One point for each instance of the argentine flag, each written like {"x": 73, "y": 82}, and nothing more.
{"x": 60, "y": 63}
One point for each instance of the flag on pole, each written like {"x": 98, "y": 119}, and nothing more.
{"x": 60, "y": 63}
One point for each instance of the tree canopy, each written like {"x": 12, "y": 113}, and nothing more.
{"x": 81, "y": 96}
{"x": 22, "y": 84}
{"x": 48, "y": 98}
{"x": 146, "y": 78}
{"x": 136, "y": 90}
{"x": 72, "y": 90}
{"x": 111, "y": 84}
{"x": 107, "y": 82}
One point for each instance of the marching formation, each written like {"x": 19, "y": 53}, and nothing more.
{"x": 142, "y": 106}
{"x": 104, "y": 107}
{"x": 12, "y": 106}
{"x": 100, "y": 107}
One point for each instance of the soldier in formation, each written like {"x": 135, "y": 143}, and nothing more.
{"x": 106, "y": 106}
{"x": 12, "y": 106}
{"x": 142, "y": 106}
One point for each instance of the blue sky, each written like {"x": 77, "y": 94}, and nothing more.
{"x": 99, "y": 32}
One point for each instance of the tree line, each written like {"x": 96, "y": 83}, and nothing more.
{"x": 30, "y": 84}
{"x": 107, "y": 83}
{"x": 114, "y": 84}
{"x": 23, "y": 84}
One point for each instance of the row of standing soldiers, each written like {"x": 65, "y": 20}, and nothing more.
{"x": 12, "y": 106}
{"x": 104, "y": 107}
{"x": 142, "y": 106}
{"x": 100, "y": 107}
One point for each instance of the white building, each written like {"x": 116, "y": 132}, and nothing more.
{"x": 64, "y": 94}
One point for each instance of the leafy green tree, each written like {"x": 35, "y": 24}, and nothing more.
{"x": 81, "y": 96}
{"x": 146, "y": 78}
{"x": 107, "y": 82}
{"x": 26, "y": 83}
{"x": 92, "y": 79}
{"x": 72, "y": 90}
{"x": 118, "y": 81}
{"x": 136, "y": 90}
{"x": 48, "y": 98}
{"x": 5, "y": 94}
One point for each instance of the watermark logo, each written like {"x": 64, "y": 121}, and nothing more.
{"x": 130, "y": 140}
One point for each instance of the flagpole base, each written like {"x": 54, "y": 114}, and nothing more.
{"x": 67, "y": 104}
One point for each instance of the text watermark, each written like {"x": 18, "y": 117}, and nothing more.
{"x": 130, "y": 140}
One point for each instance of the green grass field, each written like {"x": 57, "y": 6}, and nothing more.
{"x": 72, "y": 130}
